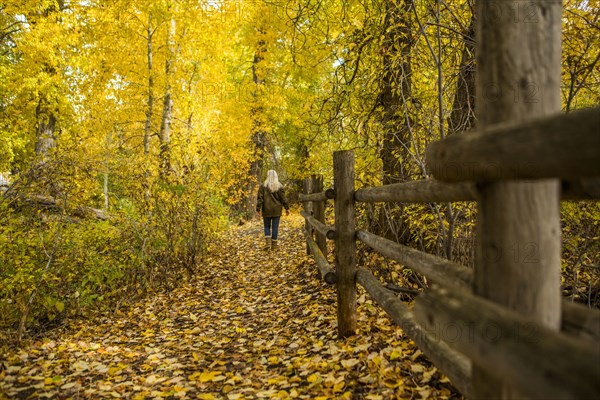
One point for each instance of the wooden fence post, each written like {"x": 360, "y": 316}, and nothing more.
{"x": 345, "y": 245}
{"x": 308, "y": 207}
{"x": 518, "y": 223}
{"x": 319, "y": 213}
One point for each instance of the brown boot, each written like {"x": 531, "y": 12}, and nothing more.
{"x": 267, "y": 243}
{"x": 274, "y": 244}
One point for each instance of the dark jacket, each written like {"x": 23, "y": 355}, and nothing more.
{"x": 271, "y": 203}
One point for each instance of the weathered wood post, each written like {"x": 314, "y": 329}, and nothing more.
{"x": 345, "y": 245}
{"x": 518, "y": 251}
{"x": 308, "y": 207}
{"x": 319, "y": 213}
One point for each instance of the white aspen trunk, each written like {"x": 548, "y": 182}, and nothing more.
{"x": 150, "y": 109}
{"x": 106, "y": 191}
{"x": 167, "y": 115}
{"x": 106, "y": 171}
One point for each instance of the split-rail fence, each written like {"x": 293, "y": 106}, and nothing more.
{"x": 500, "y": 329}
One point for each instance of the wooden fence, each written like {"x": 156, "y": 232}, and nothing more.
{"x": 499, "y": 330}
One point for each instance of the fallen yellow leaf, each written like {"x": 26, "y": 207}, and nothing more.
{"x": 338, "y": 387}
{"x": 209, "y": 376}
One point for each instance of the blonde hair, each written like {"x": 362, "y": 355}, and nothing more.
{"x": 272, "y": 182}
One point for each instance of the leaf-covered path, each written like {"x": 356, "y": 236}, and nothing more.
{"x": 250, "y": 325}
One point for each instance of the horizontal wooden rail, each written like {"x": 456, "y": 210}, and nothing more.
{"x": 325, "y": 269}
{"x": 327, "y": 231}
{"x": 440, "y": 270}
{"x": 580, "y": 321}
{"x": 537, "y": 361}
{"x": 577, "y": 320}
{"x": 581, "y": 189}
{"x": 433, "y": 191}
{"x": 565, "y": 146}
{"x": 456, "y": 366}
{"x": 320, "y": 196}
{"x": 400, "y": 289}
{"x": 426, "y": 190}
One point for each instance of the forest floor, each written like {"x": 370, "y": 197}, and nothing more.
{"x": 250, "y": 324}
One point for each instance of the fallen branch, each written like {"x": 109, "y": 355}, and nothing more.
{"x": 49, "y": 203}
{"x": 400, "y": 289}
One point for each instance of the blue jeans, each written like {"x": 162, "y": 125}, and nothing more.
{"x": 271, "y": 224}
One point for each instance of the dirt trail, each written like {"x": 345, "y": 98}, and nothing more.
{"x": 250, "y": 325}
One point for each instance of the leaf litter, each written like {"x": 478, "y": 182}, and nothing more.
{"x": 250, "y": 325}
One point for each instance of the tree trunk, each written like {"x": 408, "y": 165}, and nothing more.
{"x": 46, "y": 125}
{"x": 149, "y": 111}
{"x": 462, "y": 115}
{"x": 396, "y": 92}
{"x": 45, "y": 116}
{"x": 167, "y": 115}
{"x": 259, "y": 137}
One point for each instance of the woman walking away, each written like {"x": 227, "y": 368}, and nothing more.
{"x": 271, "y": 201}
